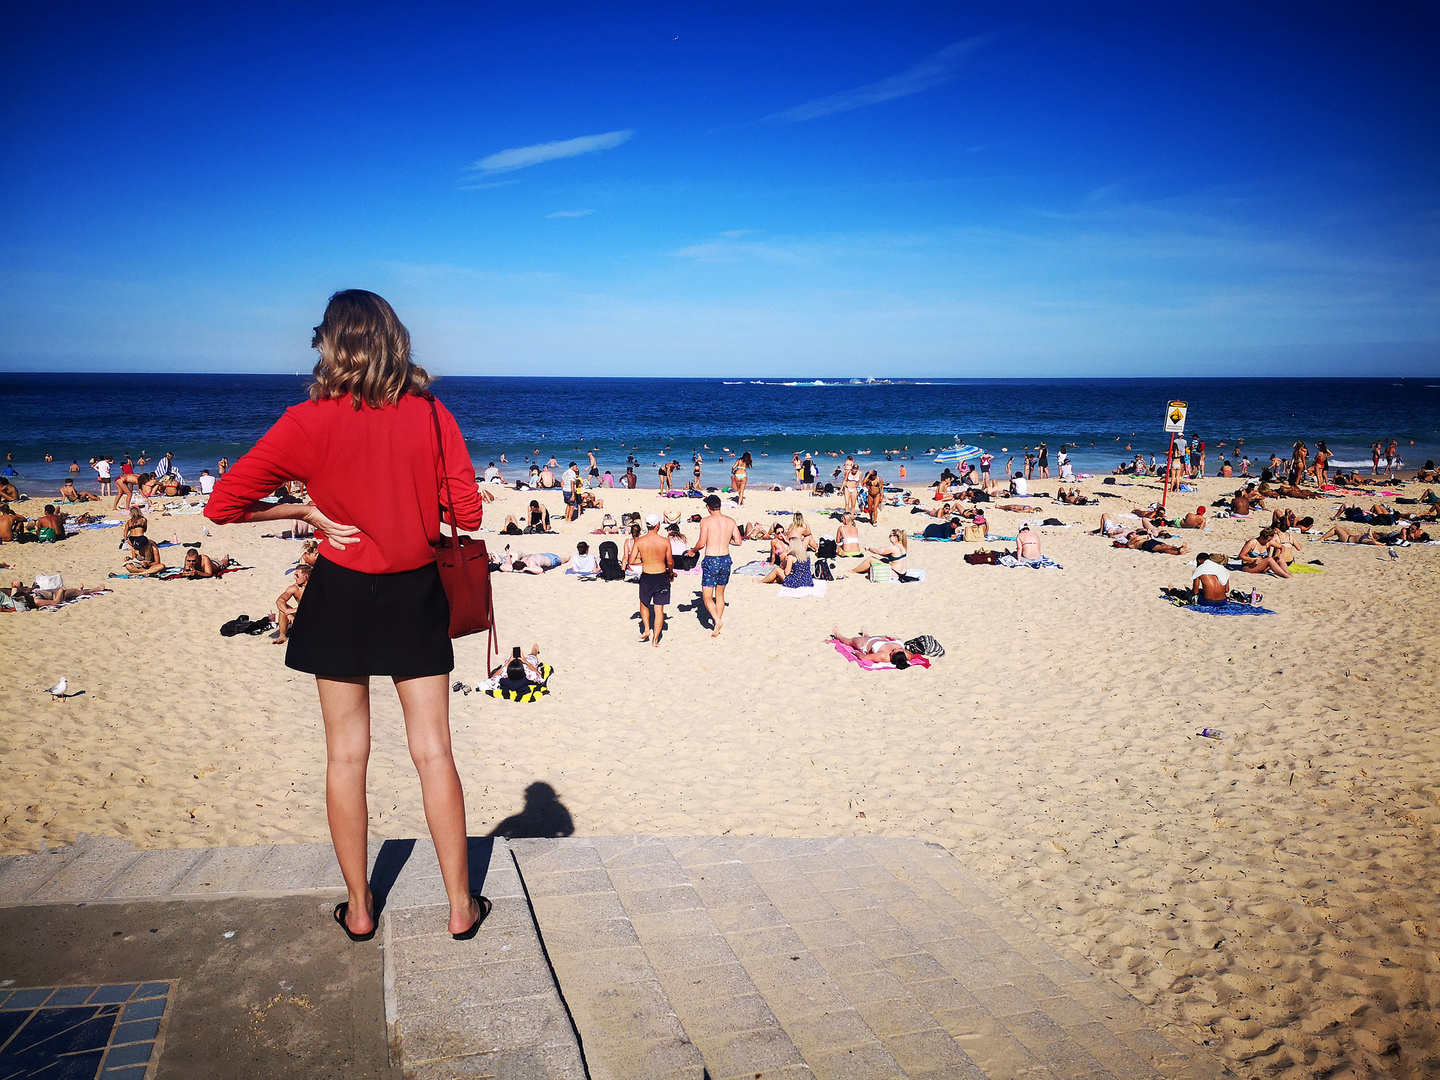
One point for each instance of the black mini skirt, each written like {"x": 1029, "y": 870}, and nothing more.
{"x": 351, "y": 624}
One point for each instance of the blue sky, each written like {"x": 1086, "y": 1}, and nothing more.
{"x": 839, "y": 189}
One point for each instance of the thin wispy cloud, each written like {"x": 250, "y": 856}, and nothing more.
{"x": 522, "y": 157}
{"x": 926, "y": 75}
{"x": 570, "y": 213}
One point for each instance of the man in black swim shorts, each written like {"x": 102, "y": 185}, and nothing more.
{"x": 657, "y": 569}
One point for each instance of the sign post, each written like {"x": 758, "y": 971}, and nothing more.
{"x": 1175, "y": 425}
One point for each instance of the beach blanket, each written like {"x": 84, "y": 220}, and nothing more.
{"x": 177, "y": 573}
{"x": 67, "y": 603}
{"x": 855, "y": 657}
{"x": 757, "y": 568}
{"x": 1232, "y": 608}
{"x": 1042, "y": 563}
{"x": 1305, "y": 568}
{"x": 93, "y": 525}
{"x": 818, "y": 589}
{"x": 532, "y": 693}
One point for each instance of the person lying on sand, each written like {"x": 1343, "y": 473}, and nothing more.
{"x": 1140, "y": 540}
{"x": 1192, "y": 521}
{"x": 1073, "y": 497}
{"x": 286, "y": 613}
{"x": 203, "y": 566}
{"x": 70, "y": 493}
{"x": 1343, "y": 534}
{"x": 1256, "y": 557}
{"x": 881, "y": 648}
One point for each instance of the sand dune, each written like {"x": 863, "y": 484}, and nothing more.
{"x": 1276, "y": 889}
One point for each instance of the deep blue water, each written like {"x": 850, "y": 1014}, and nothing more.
{"x": 204, "y": 417}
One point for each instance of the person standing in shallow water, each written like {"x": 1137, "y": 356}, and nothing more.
{"x": 366, "y": 440}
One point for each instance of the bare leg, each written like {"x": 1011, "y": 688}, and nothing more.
{"x": 659, "y": 624}
{"x": 707, "y": 596}
{"x": 644, "y": 621}
{"x": 718, "y": 611}
{"x": 345, "y": 706}
{"x": 426, "y": 704}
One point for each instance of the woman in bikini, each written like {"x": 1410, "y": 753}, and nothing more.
{"x": 881, "y": 648}
{"x": 847, "y": 538}
{"x": 893, "y": 553}
{"x": 1255, "y": 556}
{"x": 127, "y": 485}
{"x": 740, "y": 474}
{"x": 799, "y": 529}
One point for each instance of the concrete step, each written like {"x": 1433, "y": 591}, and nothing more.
{"x": 830, "y": 958}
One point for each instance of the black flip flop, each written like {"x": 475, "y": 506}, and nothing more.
{"x": 466, "y": 935}
{"x": 341, "y": 910}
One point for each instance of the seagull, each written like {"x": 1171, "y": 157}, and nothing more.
{"x": 57, "y": 692}
{"x": 1393, "y": 553}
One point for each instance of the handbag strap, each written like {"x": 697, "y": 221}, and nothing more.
{"x": 448, "y": 503}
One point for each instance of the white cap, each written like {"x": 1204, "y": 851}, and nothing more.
{"x": 651, "y": 520}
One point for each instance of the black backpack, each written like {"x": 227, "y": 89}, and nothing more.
{"x": 825, "y": 549}
{"x": 610, "y": 568}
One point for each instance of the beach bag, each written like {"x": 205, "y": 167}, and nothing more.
{"x": 983, "y": 557}
{"x": 610, "y": 568}
{"x": 822, "y": 570}
{"x": 464, "y": 566}
{"x": 974, "y": 534}
{"x": 825, "y": 549}
{"x": 879, "y": 571}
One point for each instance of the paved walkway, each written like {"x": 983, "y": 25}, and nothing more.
{"x": 718, "y": 958}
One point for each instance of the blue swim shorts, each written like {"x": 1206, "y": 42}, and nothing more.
{"x": 714, "y": 571}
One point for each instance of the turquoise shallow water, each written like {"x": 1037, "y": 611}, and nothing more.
{"x": 201, "y": 418}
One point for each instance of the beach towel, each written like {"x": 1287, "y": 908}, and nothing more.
{"x": 531, "y": 692}
{"x": 817, "y": 589}
{"x": 93, "y": 525}
{"x": 871, "y": 665}
{"x": 1305, "y": 568}
{"x": 1232, "y": 608}
{"x": 1042, "y": 563}
{"x": 67, "y": 603}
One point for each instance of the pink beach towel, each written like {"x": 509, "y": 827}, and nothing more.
{"x": 870, "y": 665}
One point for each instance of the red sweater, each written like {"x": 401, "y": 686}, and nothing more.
{"x": 377, "y": 469}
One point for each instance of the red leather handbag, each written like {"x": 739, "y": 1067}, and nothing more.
{"x": 464, "y": 566}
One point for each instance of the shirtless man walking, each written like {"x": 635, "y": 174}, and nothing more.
{"x": 657, "y": 570}
{"x": 718, "y": 534}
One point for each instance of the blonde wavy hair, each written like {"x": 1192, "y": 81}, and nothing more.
{"x": 364, "y": 352}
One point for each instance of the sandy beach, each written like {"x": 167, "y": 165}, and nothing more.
{"x": 1274, "y": 889}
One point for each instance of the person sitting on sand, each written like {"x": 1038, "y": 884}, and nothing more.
{"x": 793, "y": 570}
{"x": 12, "y": 525}
{"x": 893, "y": 554}
{"x": 70, "y": 493}
{"x": 197, "y": 565}
{"x": 1027, "y": 543}
{"x": 8, "y": 491}
{"x": 799, "y": 528}
{"x": 285, "y": 613}
{"x": 1244, "y": 499}
{"x": 582, "y": 562}
{"x": 880, "y": 648}
{"x": 1255, "y": 556}
{"x": 1282, "y": 546}
{"x": 309, "y": 553}
{"x": 144, "y": 557}
{"x": 847, "y": 537}
{"x": 1192, "y": 521}
{"x": 1210, "y": 583}
{"x": 1140, "y": 540}
{"x": 50, "y": 526}
{"x": 539, "y": 518}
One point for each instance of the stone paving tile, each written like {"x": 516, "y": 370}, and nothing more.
{"x": 856, "y": 1063}
{"x": 560, "y": 1061}
{"x": 1110, "y": 1052}
{"x": 292, "y": 867}
{"x": 523, "y": 1021}
{"x": 223, "y": 870}
{"x": 86, "y": 877}
{"x": 154, "y": 873}
{"x": 26, "y": 873}
{"x": 548, "y": 856}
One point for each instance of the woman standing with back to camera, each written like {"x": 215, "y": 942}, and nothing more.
{"x": 365, "y": 446}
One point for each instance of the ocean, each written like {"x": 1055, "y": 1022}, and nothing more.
{"x": 201, "y": 418}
